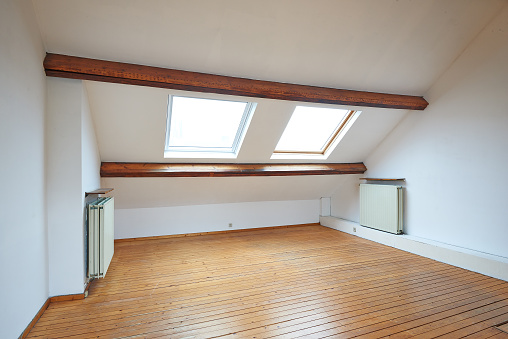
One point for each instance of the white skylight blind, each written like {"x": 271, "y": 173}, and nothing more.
{"x": 313, "y": 131}
{"x": 206, "y": 128}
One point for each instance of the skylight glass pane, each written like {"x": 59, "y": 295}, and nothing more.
{"x": 204, "y": 123}
{"x": 310, "y": 129}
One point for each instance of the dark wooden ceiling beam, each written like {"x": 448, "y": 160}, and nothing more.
{"x": 65, "y": 66}
{"x": 129, "y": 169}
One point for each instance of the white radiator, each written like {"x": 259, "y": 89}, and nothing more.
{"x": 101, "y": 241}
{"x": 382, "y": 207}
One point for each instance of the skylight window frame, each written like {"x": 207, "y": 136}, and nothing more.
{"x": 329, "y": 145}
{"x": 203, "y": 151}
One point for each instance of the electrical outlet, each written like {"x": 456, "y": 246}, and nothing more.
{"x": 354, "y": 229}
{"x": 230, "y": 224}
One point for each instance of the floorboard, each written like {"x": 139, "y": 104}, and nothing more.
{"x": 298, "y": 282}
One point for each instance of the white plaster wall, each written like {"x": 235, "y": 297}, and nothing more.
{"x": 23, "y": 246}
{"x": 162, "y": 206}
{"x": 454, "y": 154}
{"x": 145, "y": 222}
{"x": 90, "y": 157}
{"x": 165, "y": 192}
{"x": 325, "y": 206}
{"x": 90, "y": 166}
{"x": 345, "y": 199}
{"x": 73, "y": 166}
{"x": 65, "y": 222}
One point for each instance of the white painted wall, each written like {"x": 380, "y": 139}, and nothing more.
{"x": 145, "y": 222}
{"x": 90, "y": 165}
{"x": 325, "y": 206}
{"x": 166, "y": 192}
{"x": 72, "y": 168}
{"x": 453, "y": 154}
{"x": 23, "y": 245}
{"x": 161, "y": 206}
{"x": 345, "y": 199}
{"x": 90, "y": 157}
{"x": 65, "y": 222}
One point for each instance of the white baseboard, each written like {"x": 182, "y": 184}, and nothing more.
{"x": 487, "y": 264}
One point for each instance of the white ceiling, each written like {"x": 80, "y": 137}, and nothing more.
{"x": 392, "y": 46}
{"x": 396, "y": 46}
{"x": 130, "y": 124}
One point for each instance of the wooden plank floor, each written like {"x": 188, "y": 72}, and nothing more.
{"x": 308, "y": 282}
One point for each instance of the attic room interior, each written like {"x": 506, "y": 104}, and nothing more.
{"x": 250, "y": 229}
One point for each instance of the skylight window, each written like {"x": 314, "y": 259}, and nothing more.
{"x": 313, "y": 132}
{"x": 206, "y": 128}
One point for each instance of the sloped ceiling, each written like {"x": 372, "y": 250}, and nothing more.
{"x": 130, "y": 123}
{"x": 396, "y": 46}
{"x": 391, "y": 46}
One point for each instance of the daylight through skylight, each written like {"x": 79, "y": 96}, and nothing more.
{"x": 205, "y": 125}
{"x": 313, "y": 130}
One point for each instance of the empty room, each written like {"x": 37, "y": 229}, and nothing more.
{"x": 254, "y": 169}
